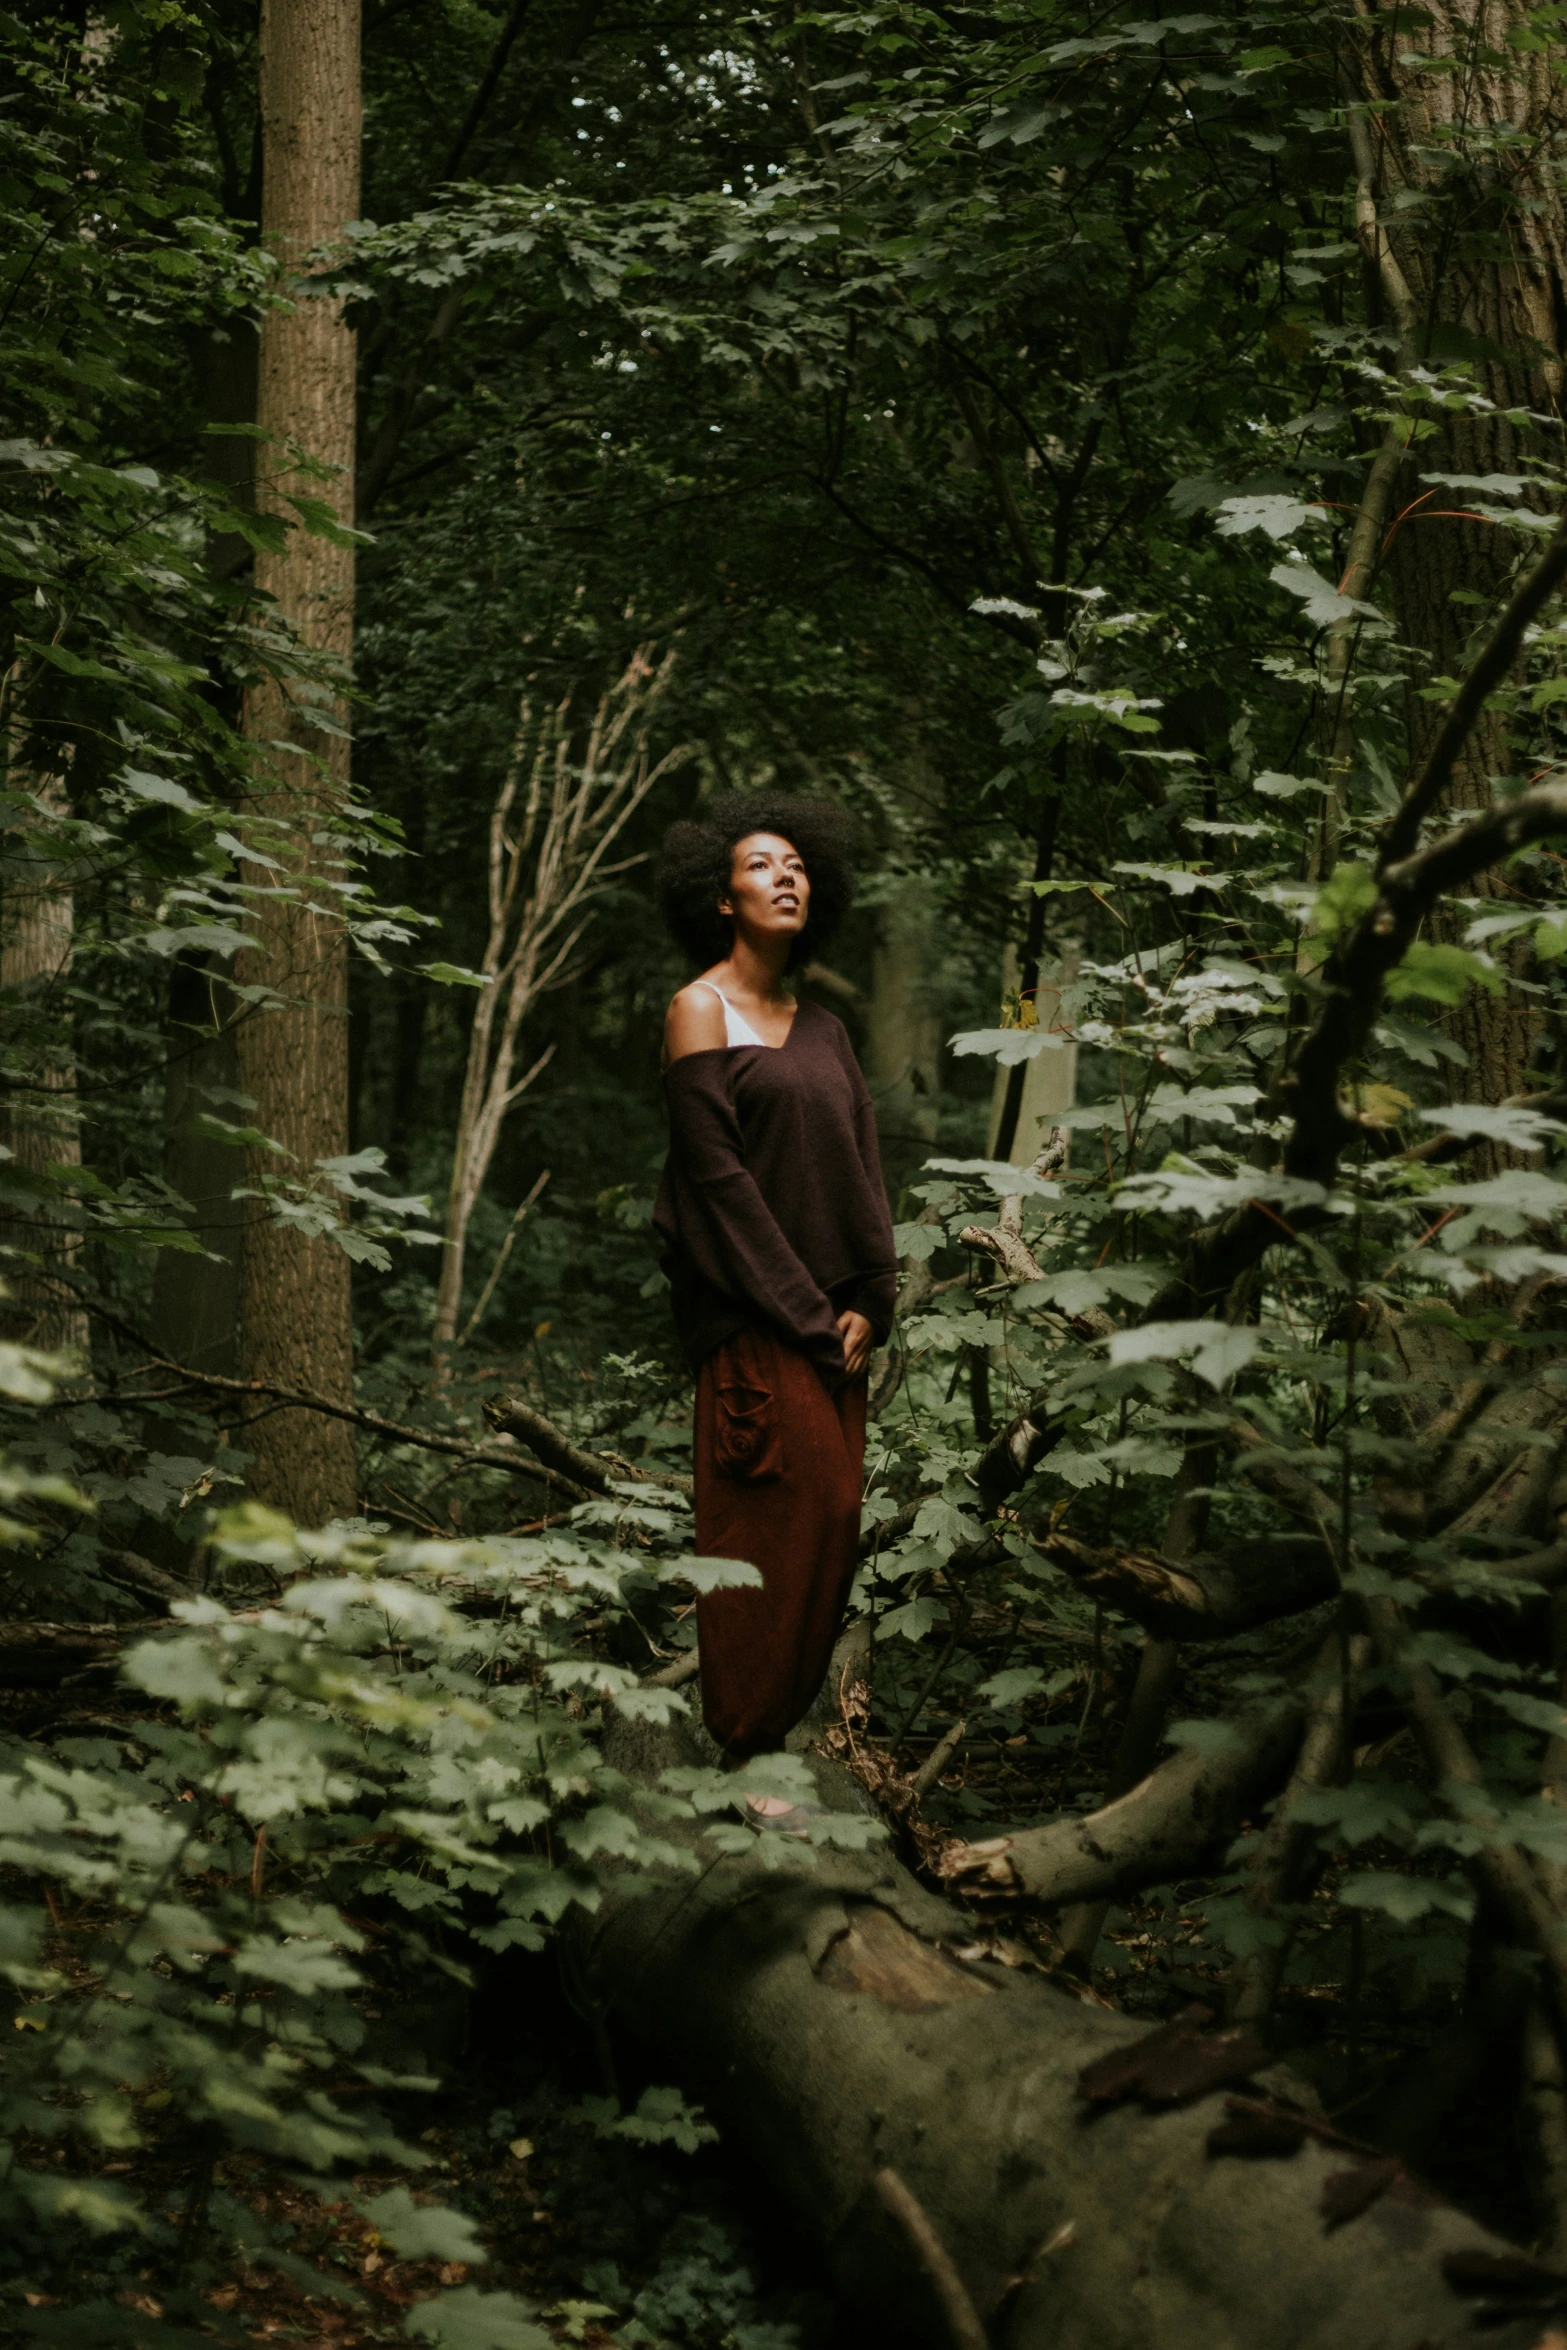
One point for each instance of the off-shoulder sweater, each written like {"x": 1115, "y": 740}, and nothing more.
{"x": 771, "y": 1213}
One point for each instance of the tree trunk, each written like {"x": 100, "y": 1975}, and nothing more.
{"x": 195, "y": 1299}
{"x": 1049, "y": 1081}
{"x": 840, "y": 2023}
{"x": 295, "y": 1326}
{"x": 903, "y": 1030}
{"x": 39, "y": 935}
{"x": 1484, "y": 254}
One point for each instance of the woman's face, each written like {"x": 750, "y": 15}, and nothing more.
{"x": 769, "y": 889}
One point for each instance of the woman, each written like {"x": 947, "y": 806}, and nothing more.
{"x": 778, "y": 1247}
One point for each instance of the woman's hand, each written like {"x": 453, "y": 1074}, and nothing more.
{"x": 858, "y": 1340}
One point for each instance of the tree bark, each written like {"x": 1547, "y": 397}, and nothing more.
{"x": 904, "y": 1029}
{"x": 194, "y": 1316}
{"x": 1176, "y": 1822}
{"x": 1209, "y": 1597}
{"x": 39, "y": 1125}
{"x": 1484, "y": 254}
{"x": 840, "y": 2024}
{"x": 295, "y": 1320}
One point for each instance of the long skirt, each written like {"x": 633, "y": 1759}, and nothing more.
{"x": 779, "y": 1465}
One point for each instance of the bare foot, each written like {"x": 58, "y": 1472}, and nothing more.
{"x": 769, "y": 1807}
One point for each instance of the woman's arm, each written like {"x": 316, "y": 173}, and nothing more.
{"x": 726, "y": 1225}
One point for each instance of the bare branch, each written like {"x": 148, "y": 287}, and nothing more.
{"x": 1486, "y": 672}
{"x": 563, "y": 1455}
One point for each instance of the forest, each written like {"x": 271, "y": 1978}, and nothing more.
{"x": 1116, "y": 458}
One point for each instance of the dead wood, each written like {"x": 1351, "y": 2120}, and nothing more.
{"x": 938, "y": 1760}
{"x": 962, "y": 2317}
{"x": 41, "y": 1656}
{"x": 839, "y": 2022}
{"x": 1174, "y": 1823}
{"x": 1211, "y": 1596}
{"x": 153, "y": 1585}
{"x": 561, "y": 1454}
{"x": 675, "y": 1676}
{"x": 1275, "y": 1868}
{"x": 1142, "y": 1731}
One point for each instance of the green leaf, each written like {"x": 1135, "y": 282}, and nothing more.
{"x": 1443, "y": 974}
{"x": 455, "y": 975}
{"x": 1217, "y": 1349}
{"x": 1537, "y": 1713}
{"x": 705, "y": 1575}
{"x": 1349, "y": 893}
{"x": 941, "y": 1521}
{"x": 1012, "y": 1686}
{"x": 661, "y": 2118}
{"x": 430, "y": 2231}
{"x": 1279, "y": 516}
{"x": 917, "y": 1243}
{"x": 1356, "y": 1813}
{"x": 307, "y": 1967}
{"x": 911, "y": 1621}
{"x": 181, "y": 1670}
{"x": 466, "y": 2319}
{"x": 1008, "y": 1046}
{"x": 1322, "y": 605}
{"x": 1405, "y": 1898}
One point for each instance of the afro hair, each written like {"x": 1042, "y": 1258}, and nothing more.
{"x": 698, "y": 859}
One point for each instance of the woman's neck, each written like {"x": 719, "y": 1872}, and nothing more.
{"x": 759, "y": 972}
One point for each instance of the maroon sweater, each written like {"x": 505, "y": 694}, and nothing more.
{"x": 772, "y": 1213}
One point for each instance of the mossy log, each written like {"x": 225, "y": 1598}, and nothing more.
{"x": 842, "y": 2023}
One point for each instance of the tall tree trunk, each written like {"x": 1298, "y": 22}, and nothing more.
{"x": 295, "y": 1326}
{"x": 195, "y": 1299}
{"x": 1485, "y": 259}
{"x": 39, "y": 1126}
{"x": 903, "y": 1029}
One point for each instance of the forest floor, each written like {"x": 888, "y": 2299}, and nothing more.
{"x": 610, "y": 2242}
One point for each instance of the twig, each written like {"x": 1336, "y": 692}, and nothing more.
{"x": 300, "y": 1399}
{"x": 963, "y": 2320}
{"x": 512, "y": 1229}
{"x": 935, "y": 1763}
{"x": 1004, "y": 1239}
{"x": 565, "y": 1457}
{"x": 685, "y": 1668}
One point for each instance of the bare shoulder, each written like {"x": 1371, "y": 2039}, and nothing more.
{"x": 694, "y": 1023}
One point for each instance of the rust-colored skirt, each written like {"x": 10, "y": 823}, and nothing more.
{"x": 779, "y": 1465}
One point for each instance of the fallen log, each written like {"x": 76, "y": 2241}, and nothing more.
{"x": 1174, "y": 1823}
{"x": 40, "y": 1656}
{"x": 1209, "y": 1597}
{"x": 1090, "y": 2189}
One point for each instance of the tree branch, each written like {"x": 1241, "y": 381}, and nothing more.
{"x": 508, "y": 1415}
{"x": 1486, "y": 672}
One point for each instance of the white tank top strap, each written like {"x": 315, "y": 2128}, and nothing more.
{"x": 737, "y": 1028}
